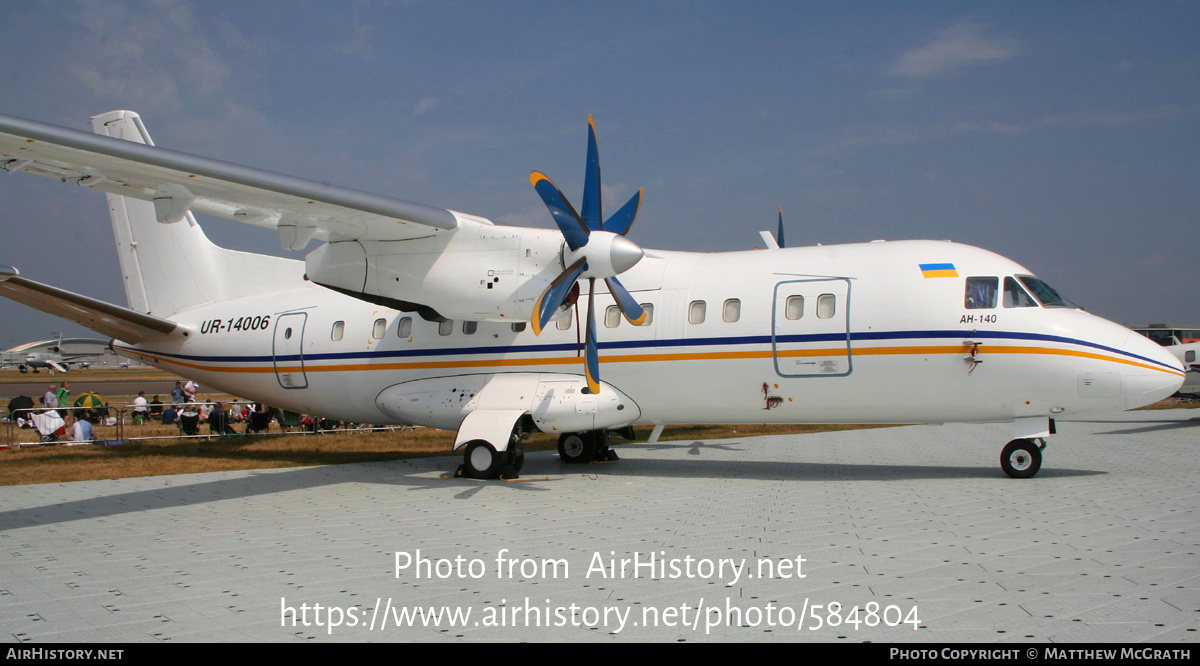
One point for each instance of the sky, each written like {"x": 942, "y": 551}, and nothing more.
{"x": 1063, "y": 135}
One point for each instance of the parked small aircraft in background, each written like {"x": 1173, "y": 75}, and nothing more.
{"x": 413, "y": 314}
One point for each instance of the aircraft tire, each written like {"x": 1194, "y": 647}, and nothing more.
{"x": 576, "y": 447}
{"x": 1021, "y": 459}
{"x": 481, "y": 460}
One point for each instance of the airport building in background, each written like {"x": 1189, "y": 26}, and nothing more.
{"x": 92, "y": 351}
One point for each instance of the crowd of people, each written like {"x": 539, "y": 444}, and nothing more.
{"x": 184, "y": 410}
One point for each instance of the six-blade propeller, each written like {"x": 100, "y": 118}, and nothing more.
{"x": 596, "y": 249}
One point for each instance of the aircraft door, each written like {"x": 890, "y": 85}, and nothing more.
{"x": 810, "y": 328}
{"x": 288, "y": 350}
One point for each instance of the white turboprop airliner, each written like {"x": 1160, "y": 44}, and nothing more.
{"x": 419, "y": 315}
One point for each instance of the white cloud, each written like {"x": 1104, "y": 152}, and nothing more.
{"x": 1115, "y": 119}
{"x": 961, "y": 45}
{"x": 425, "y": 106}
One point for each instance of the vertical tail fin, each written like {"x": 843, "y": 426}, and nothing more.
{"x": 169, "y": 267}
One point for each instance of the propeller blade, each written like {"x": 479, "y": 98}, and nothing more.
{"x": 592, "y": 362}
{"x": 620, "y": 222}
{"x": 555, "y": 295}
{"x": 592, "y": 216}
{"x": 573, "y": 229}
{"x": 779, "y": 236}
{"x": 629, "y": 307}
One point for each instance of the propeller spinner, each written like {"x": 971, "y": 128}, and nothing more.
{"x": 596, "y": 249}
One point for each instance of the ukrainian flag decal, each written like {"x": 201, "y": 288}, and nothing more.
{"x": 938, "y": 270}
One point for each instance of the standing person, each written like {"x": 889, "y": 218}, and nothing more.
{"x": 50, "y": 400}
{"x": 177, "y": 395}
{"x": 189, "y": 390}
{"x": 140, "y": 408}
{"x": 64, "y": 399}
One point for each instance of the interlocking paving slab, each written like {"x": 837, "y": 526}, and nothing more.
{"x": 1100, "y": 546}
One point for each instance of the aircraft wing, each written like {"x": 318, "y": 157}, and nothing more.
{"x": 105, "y": 318}
{"x": 177, "y": 182}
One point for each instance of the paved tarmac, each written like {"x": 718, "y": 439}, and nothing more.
{"x": 915, "y": 526}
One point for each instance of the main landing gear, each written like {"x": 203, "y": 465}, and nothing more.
{"x": 1022, "y": 458}
{"x": 481, "y": 460}
{"x": 580, "y": 448}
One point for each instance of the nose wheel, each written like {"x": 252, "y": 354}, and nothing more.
{"x": 1022, "y": 458}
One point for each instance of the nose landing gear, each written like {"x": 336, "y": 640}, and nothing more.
{"x": 1022, "y": 458}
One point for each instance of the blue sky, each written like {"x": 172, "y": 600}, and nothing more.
{"x": 1063, "y": 135}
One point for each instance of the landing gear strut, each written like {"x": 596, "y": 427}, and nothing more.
{"x": 1022, "y": 458}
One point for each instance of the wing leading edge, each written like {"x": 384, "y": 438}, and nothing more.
{"x": 177, "y": 182}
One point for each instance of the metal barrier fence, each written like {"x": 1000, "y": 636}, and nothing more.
{"x": 124, "y": 423}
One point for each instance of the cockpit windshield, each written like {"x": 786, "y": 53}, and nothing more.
{"x": 1045, "y": 294}
{"x": 983, "y": 292}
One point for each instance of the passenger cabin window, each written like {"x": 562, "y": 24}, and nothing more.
{"x": 612, "y": 316}
{"x": 826, "y": 306}
{"x": 469, "y": 327}
{"x": 1015, "y": 296}
{"x": 732, "y": 311}
{"x": 1046, "y": 294}
{"x": 404, "y": 328}
{"x": 518, "y": 326}
{"x": 649, "y": 310}
{"x": 696, "y": 312}
{"x": 794, "y": 308}
{"x": 446, "y": 327}
{"x": 563, "y": 324}
{"x": 1189, "y": 356}
{"x": 982, "y": 293}
{"x": 379, "y": 329}
{"x": 339, "y": 330}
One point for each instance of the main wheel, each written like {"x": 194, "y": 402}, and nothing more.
{"x": 576, "y": 447}
{"x": 481, "y": 460}
{"x": 1021, "y": 459}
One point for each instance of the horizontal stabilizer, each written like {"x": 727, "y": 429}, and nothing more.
{"x": 104, "y": 318}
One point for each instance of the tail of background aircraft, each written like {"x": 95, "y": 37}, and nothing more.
{"x": 169, "y": 267}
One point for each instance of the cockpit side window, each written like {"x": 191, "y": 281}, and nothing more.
{"x": 1015, "y": 296}
{"x": 982, "y": 293}
{"x": 1045, "y": 293}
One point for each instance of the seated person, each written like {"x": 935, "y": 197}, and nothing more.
{"x": 189, "y": 422}
{"x": 82, "y": 431}
{"x": 169, "y": 415}
{"x": 260, "y": 419}
{"x": 218, "y": 421}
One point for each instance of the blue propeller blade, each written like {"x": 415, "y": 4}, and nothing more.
{"x": 592, "y": 216}
{"x": 634, "y": 312}
{"x": 593, "y": 352}
{"x": 621, "y": 220}
{"x": 779, "y": 237}
{"x": 555, "y": 294}
{"x": 564, "y": 214}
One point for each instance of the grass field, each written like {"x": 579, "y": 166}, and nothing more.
{"x": 172, "y": 455}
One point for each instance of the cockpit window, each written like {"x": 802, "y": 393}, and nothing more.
{"x": 1045, "y": 293}
{"x": 982, "y": 292}
{"x": 1015, "y": 296}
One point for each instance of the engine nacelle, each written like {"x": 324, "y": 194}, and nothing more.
{"x": 481, "y": 272}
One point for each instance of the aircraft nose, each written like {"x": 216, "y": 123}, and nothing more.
{"x": 1157, "y": 375}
